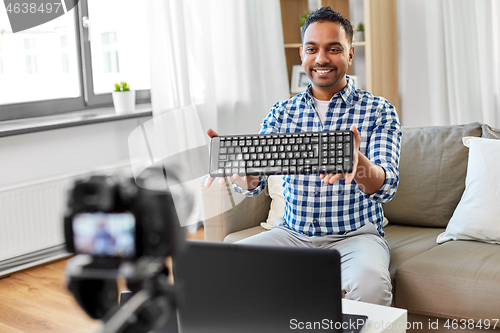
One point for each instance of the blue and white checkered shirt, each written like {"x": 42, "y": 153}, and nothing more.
{"x": 313, "y": 207}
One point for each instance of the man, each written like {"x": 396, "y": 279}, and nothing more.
{"x": 337, "y": 211}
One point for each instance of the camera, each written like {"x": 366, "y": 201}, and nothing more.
{"x": 119, "y": 225}
{"x": 113, "y": 217}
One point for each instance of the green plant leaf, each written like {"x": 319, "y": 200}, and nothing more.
{"x": 125, "y": 86}
{"x": 303, "y": 18}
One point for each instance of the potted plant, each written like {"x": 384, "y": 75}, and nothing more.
{"x": 302, "y": 20}
{"x": 123, "y": 98}
{"x": 360, "y": 33}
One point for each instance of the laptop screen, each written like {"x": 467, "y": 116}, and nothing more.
{"x": 246, "y": 288}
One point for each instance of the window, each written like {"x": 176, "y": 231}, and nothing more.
{"x": 30, "y": 56}
{"x": 72, "y": 62}
{"x": 1, "y": 61}
{"x": 119, "y": 47}
{"x": 110, "y": 53}
{"x": 64, "y": 54}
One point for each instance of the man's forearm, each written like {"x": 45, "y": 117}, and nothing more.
{"x": 369, "y": 176}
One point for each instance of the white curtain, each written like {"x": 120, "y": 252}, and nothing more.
{"x": 216, "y": 64}
{"x": 449, "y": 61}
{"x": 224, "y": 56}
{"x": 464, "y": 61}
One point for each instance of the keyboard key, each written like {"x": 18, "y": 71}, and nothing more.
{"x": 311, "y": 161}
{"x": 264, "y": 171}
{"x": 347, "y": 149}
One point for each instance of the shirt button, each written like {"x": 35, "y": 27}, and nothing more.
{"x": 316, "y": 193}
{"x": 315, "y": 221}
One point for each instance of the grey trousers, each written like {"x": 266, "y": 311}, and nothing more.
{"x": 364, "y": 254}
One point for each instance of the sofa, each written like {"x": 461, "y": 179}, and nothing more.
{"x": 445, "y": 286}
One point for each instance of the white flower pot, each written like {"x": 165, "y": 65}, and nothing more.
{"x": 124, "y": 101}
{"x": 360, "y": 36}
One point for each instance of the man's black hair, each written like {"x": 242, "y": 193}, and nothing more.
{"x": 326, "y": 14}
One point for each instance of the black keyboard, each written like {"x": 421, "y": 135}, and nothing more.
{"x": 282, "y": 154}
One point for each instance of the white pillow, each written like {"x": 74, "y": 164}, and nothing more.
{"x": 477, "y": 216}
{"x": 275, "y": 188}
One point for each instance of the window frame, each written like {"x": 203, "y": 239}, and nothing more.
{"x": 87, "y": 99}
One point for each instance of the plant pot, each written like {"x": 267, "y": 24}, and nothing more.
{"x": 124, "y": 101}
{"x": 360, "y": 36}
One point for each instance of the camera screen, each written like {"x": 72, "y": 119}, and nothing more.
{"x": 105, "y": 234}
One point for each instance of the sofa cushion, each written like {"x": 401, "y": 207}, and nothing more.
{"x": 490, "y": 132}
{"x": 406, "y": 242}
{"x": 432, "y": 172}
{"x": 226, "y": 212}
{"x": 457, "y": 279}
{"x": 477, "y": 216}
{"x": 275, "y": 188}
{"x": 242, "y": 234}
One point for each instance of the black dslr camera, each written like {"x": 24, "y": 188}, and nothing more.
{"x": 121, "y": 226}
{"x": 112, "y": 217}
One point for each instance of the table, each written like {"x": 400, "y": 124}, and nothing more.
{"x": 381, "y": 319}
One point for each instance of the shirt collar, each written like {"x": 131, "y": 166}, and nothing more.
{"x": 347, "y": 94}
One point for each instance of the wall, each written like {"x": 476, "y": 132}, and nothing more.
{"x": 37, "y": 169}
{"x": 34, "y": 156}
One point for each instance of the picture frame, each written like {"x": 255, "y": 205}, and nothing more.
{"x": 300, "y": 80}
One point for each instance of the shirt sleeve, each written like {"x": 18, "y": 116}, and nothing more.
{"x": 384, "y": 150}
{"x": 269, "y": 125}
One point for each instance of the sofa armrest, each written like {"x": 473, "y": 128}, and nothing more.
{"x": 225, "y": 211}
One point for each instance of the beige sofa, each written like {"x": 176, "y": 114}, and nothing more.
{"x": 439, "y": 284}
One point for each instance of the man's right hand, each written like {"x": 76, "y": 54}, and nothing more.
{"x": 248, "y": 183}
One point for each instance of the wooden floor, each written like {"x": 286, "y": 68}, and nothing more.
{"x": 36, "y": 300}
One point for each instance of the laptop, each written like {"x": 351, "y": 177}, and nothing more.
{"x": 237, "y": 288}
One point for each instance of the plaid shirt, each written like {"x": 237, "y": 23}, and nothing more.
{"x": 313, "y": 207}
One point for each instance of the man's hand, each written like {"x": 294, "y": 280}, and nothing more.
{"x": 249, "y": 182}
{"x": 332, "y": 178}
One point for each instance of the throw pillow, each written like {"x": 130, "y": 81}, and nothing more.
{"x": 490, "y": 132}
{"x": 275, "y": 188}
{"x": 477, "y": 216}
{"x": 432, "y": 171}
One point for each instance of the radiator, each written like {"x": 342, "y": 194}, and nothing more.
{"x": 31, "y": 215}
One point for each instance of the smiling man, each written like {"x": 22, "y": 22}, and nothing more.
{"x": 326, "y": 54}
{"x": 342, "y": 212}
